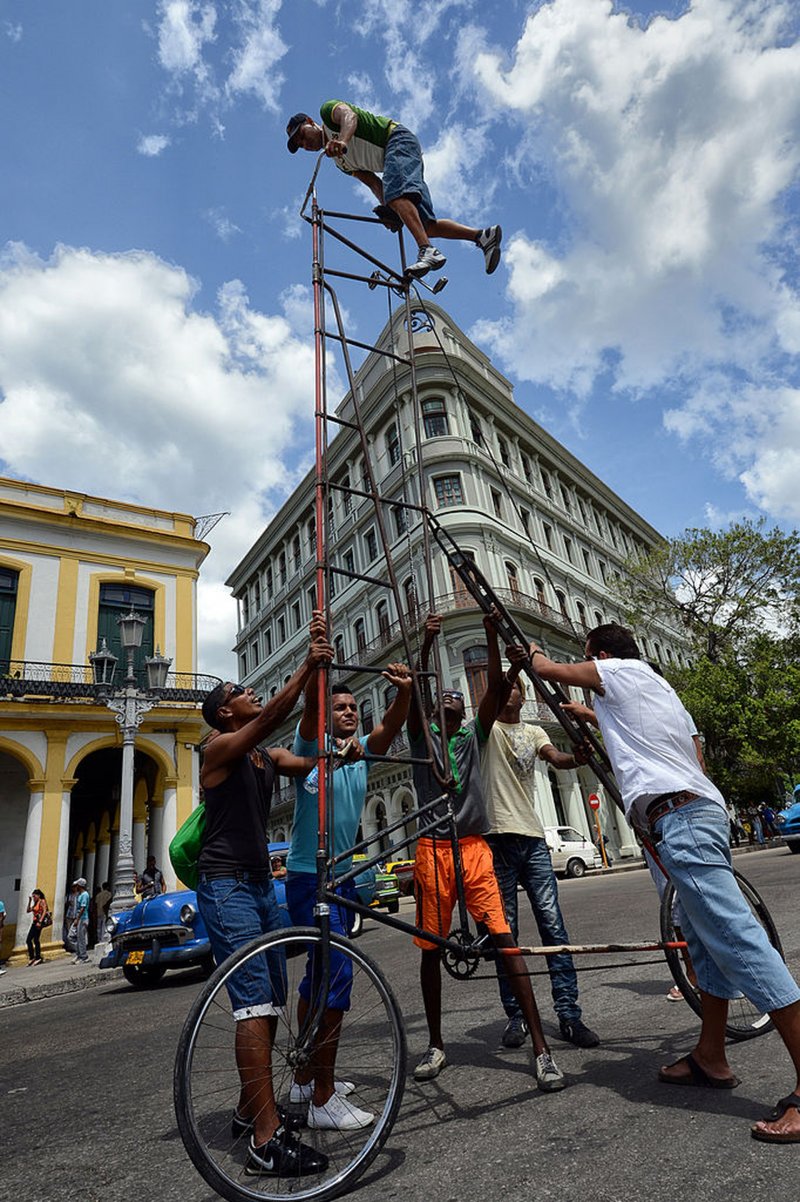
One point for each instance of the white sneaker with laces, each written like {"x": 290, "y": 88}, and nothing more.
{"x": 549, "y": 1076}
{"x": 430, "y": 259}
{"x": 337, "y": 1114}
{"x": 430, "y": 1065}
{"x": 488, "y": 241}
{"x": 304, "y": 1093}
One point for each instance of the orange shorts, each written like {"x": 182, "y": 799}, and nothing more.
{"x": 435, "y": 887}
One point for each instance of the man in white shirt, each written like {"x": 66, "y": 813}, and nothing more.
{"x": 522, "y": 857}
{"x": 664, "y": 789}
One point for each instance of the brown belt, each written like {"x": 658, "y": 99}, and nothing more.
{"x": 665, "y": 802}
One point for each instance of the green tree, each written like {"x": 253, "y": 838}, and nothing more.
{"x": 721, "y": 586}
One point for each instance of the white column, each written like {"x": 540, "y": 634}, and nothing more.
{"x": 156, "y": 842}
{"x": 62, "y": 867}
{"x": 88, "y": 869}
{"x": 576, "y": 810}
{"x": 30, "y": 862}
{"x": 169, "y": 825}
{"x": 139, "y": 847}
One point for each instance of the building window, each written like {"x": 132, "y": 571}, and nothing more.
{"x": 598, "y": 618}
{"x": 525, "y": 518}
{"x": 548, "y": 487}
{"x": 582, "y": 511}
{"x": 296, "y": 553}
{"x": 568, "y": 549}
{"x": 393, "y": 444}
{"x": 115, "y": 601}
{"x": 243, "y": 664}
{"x": 565, "y": 499}
{"x": 582, "y": 614}
{"x": 338, "y": 646}
{"x": 502, "y": 447}
{"x": 539, "y": 587}
{"x": 273, "y": 690}
{"x": 448, "y": 490}
{"x": 255, "y": 658}
{"x": 410, "y": 594}
{"x": 513, "y": 582}
{"x": 526, "y": 467}
{"x": 347, "y": 497}
{"x": 548, "y": 535}
{"x": 257, "y": 595}
{"x": 350, "y": 560}
{"x": 360, "y": 631}
{"x": 311, "y": 540}
{"x": 463, "y": 599}
{"x": 434, "y": 418}
{"x": 267, "y": 640}
{"x": 476, "y": 666}
{"x": 367, "y": 716}
{"x": 475, "y": 428}
{"x": 371, "y": 545}
{"x": 562, "y": 604}
{"x": 587, "y": 562}
{"x": 282, "y": 567}
{"x": 311, "y": 597}
{"x": 497, "y": 502}
{"x": 400, "y": 516}
{"x": 268, "y": 585}
{"x": 382, "y": 614}
{"x": 297, "y": 619}
{"x": 281, "y": 630}
{"x": 245, "y": 607}
{"x": 603, "y": 572}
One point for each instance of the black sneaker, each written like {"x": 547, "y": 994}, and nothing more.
{"x": 292, "y": 1120}
{"x": 284, "y": 1156}
{"x": 574, "y": 1031}
{"x": 516, "y": 1032}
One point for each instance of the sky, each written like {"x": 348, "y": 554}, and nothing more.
{"x": 155, "y": 306}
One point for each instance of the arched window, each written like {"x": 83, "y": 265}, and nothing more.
{"x": 511, "y": 576}
{"x": 360, "y": 631}
{"x": 382, "y": 614}
{"x": 540, "y": 593}
{"x": 581, "y": 613}
{"x": 338, "y": 646}
{"x": 463, "y": 600}
{"x": 434, "y": 418}
{"x": 367, "y": 716}
{"x": 410, "y": 594}
{"x": 476, "y": 667}
{"x": 562, "y": 604}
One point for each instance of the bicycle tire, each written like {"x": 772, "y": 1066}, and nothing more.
{"x": 745, "y": 1021}
{"x": 372, "y": 1054}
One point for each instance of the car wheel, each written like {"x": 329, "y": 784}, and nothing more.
{"x": 358, "y": 925}
{"x": 794, "y": 848}
{"x": 393, "y": 906}
{"x": 207, "y": 966}
{"x": 142, "y": 977}
{"x": 575, "y": 868}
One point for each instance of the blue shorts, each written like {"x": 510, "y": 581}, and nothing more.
{"x": 236, "y": 912}
{"x": 301, "y": 897}
{"x": 404, "y": 174}
{"x": 730, "y": 950}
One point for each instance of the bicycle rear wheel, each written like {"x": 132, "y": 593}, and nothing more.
{"x": 371, "y": 1055}
{"x": 745, "y": 1021}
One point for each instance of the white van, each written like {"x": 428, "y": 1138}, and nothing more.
{"x": 571, "y": 852}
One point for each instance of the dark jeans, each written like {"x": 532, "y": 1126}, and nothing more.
{"x": 524, "y": 860}
{"x": 34, "y": 946}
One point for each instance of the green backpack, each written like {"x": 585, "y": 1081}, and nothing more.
{"x": 185, "y": 848}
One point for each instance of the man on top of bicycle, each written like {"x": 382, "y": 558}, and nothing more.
{"x": 649, "y": 743}
{"x": 434, "y": 873}
{"x": 331, "y": 1106}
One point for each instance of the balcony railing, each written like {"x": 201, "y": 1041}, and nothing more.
{"x": 26, "y": 679}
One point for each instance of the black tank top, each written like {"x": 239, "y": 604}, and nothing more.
{"x": 236, "y": 818}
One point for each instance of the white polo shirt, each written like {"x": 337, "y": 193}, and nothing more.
{"x": 646, "y": 731}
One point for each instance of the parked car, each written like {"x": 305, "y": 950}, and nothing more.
{"x": 571, "y": 852}
{"x": 168, "y": 931}
{"x": 386, "y": 894}
{"x": 788, "y": 823}
{"x": 403, "y": 871}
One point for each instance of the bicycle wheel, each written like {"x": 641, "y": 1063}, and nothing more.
{"x": 745, "y": 1021}
{"x": 371, "y": 1055}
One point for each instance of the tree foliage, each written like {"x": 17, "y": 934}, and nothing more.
{"x": 721, "y": 586}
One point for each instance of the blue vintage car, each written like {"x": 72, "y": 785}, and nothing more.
{"x": 168, "y": 931}
{"x": 788, "y": 822}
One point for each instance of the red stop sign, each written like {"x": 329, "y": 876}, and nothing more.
{"x": 594, "y": 801}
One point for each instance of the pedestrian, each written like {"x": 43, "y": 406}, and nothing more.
{"x": 434, "y": 871}
{"x": 665, "y": 792}
{"x": 522, "y": 857}
{"x": 102, "y": 901}
{"x": 330, "y": 1104}
{"x": 387, "y": 157}
{"x": 37, "y": 908}
{"x": 604, "y": 851}
{"x": 236, "y": 896}
{"x": 81, "y": 921}
{"x": 151, "y": 882}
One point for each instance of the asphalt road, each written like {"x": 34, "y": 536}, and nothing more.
{"x": 86, "y": 1085}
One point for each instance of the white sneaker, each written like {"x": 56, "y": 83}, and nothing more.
{"x": 304, "y": 1093}
{"x": 549, "y": 1076}
{"x": 430, "y": 259}
{"x": 337, "y": 1114}
{"x": 489, "y": 242}
{"x": 430, "y": 1065}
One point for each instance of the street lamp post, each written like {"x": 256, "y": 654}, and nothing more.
{"x": 129, "y": 705}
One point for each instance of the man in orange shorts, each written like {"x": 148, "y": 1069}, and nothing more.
{"x": 435, "y": 874}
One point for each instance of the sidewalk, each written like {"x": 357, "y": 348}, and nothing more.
{"x": 58, "y": 976}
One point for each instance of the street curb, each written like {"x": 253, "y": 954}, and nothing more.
{"x": 37, "y": 993}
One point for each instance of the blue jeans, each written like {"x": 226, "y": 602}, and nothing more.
{"x": 525, "y": 860}
{"x": 236, "y": 912}
{"x": 301, "y": 896}
{"x": 730, "y": 950}
{"x": 404, "y": 173}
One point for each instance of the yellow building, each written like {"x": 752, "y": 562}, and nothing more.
{"x": 70, "y": 565}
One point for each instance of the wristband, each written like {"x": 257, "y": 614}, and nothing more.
{"x": 538, "y": 651}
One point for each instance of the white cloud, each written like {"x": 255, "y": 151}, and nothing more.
{"x": 261, "y": 49}
{"x": 185, "y": 27}
{"x": 112, "y": 382}
{"x": 669, "y": 150}
{"x": 12, "y": 30}
{"x": 222, "y": 225}
{"x": 152, "y": 145}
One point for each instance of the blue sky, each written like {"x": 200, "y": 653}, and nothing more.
{"x": 154, "y": 302}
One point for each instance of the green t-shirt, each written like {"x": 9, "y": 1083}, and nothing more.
{"x": 464, "y": 751}
{"x": 366, "y": 147}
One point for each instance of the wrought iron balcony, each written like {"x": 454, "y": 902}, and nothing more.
{"x": 25, "y": 680}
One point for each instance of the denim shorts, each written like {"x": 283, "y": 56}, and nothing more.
{"x": 404, "y": 174}
{"x": 236, "y": 912}
{"x": 301, "y": 897}
{"x": 730, "y": 950}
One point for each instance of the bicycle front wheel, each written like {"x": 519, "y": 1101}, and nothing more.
{"x": 371, "y": 1057}
{"x": 745, "y": 1021}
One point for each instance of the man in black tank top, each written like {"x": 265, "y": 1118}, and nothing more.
{"x": 236, "y": 896}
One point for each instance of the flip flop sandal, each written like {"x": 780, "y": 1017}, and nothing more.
{"x": 779, "y": 1137}
{"x": 697, "y": 1076}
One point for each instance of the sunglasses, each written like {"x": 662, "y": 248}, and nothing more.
{"x": 456, "y": 696}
